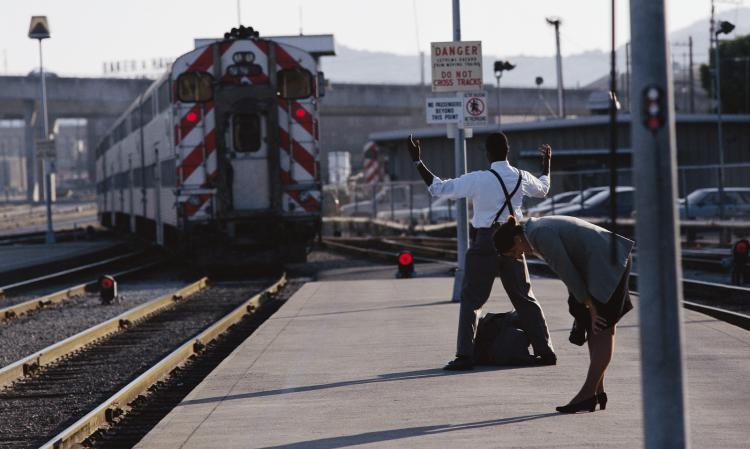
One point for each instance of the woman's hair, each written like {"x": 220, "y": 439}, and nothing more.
{"x": 505, "y": 233}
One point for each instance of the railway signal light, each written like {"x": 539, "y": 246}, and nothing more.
{"x": 107, "y": 289}
{"x": 405, "y": 265}
{"x": 192, "y": 117}
{"x": 653, "y": 108}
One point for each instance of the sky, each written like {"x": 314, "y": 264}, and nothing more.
{"x": 87, "y": 33}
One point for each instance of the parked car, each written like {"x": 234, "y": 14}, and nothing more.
{"x": 704, "y": 203}
{"x": 576, "y": 198}
{"x": 598, "y": 204}
{"x": 442, "y": 209}
{"x": 396, "y": 197}
{"x": 553, "y": 202}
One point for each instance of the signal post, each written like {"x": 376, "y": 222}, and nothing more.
{"x": 457, "y": 72}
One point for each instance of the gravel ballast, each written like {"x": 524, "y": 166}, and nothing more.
{"x": 30, "y": 333}
{"x": 37, "y": 407}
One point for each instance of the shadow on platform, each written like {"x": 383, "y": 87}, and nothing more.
{"x": 409, "y": 432}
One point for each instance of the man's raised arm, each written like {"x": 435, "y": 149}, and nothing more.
{"x": 415, "y": 150}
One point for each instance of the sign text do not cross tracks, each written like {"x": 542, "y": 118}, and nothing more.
{"x": 456, "y": 66}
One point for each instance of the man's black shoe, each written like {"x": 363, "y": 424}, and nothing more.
{"x": 460, "y": 363}
{"x": 547, "y": 359}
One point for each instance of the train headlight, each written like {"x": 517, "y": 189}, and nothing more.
{"x": 246, "y": 57}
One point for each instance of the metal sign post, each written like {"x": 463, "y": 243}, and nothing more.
{"x": 659, "y": 271}
{"x": 457, "y": 68}
{"x": 459, "y": 154}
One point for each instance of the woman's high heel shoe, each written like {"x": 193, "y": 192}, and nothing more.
{"x": 602, "y": 399}
{"x": 587, "y": 404}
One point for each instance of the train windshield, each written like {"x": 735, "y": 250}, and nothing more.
{"x": 246, "y": 132}
{"x": 194, "y": 87}
{"x": 295, "y": 83}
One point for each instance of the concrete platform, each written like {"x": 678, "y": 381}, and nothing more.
{"x": 357, "y": 363}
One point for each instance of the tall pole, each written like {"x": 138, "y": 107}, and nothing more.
{"x": 459, "y": 156}
{"x": 497, "y": 94}
{"x": 421, "y": 69}
{"x": 719, "y": 127}
{"x": 659, "y": 270}
{"x": 613, "y": 139}
{"x": 50, "y": 236}
{"x": 627, "y": 75}
{"x": 690, "y": 77}
{"x": 239, "y": 16}
{"x": 560, "y": 94}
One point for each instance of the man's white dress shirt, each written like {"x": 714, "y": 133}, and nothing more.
{"x": 486, "y": 194}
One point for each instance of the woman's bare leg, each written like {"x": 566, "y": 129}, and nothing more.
{"x": 600, "y": 388}
{"x": 601, "y": 347}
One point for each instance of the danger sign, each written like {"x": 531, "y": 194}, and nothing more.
{"x": 456, "y": 66}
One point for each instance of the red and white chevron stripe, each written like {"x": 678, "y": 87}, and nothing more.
{"x": 298, "y": 139}
{"x": 195, "y": 139}
{"x": 371, "y": 165}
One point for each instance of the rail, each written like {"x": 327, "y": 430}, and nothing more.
{"x": 60, "y": 274}
{"x": 57, "y": 297}
{"x": 33, "y": 362}
{"x": 117, "y": 404}
{"x": 694, "y": 290}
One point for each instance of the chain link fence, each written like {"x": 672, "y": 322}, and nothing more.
{"x": 576, "y": 193}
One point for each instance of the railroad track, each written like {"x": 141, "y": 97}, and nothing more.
{"x": 22, "y": 307}
{"x": 61, "y": 395}
{"x": 61, "y": 275}
{"x": 725, "y": 302}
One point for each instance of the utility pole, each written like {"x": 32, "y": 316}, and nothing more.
{"x": 459, "y": 156}
{"x": 659, "y": 270}
{"x": 690, "y": 78}
{"x": 556, "y": 21}
{"x": 421, "y": 68}
{"x": 500, "y": 67}
{"x": 725, "y": 28}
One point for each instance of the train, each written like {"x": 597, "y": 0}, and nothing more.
{"x": 219, "y": 158}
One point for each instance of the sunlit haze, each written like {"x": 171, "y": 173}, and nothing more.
{"x": 85, "y": 34}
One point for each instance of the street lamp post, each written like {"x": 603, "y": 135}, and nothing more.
{"x": 500, "y": 67}
{"x": 725, "y": 28}
{"x": 556, "y": 22}
{"x": 39, "y": 29}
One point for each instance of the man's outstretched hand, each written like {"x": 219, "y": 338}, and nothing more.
{"x": 415, "y": 149}
{"x": 546, "y": 152}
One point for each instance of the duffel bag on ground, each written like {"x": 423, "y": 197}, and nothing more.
{"x": 500, "y": 341}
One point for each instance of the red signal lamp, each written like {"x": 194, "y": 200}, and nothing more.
{"x": 192, "y": 117}
{"x": 405, "y": 265}
{"x": 107, "y": 289}
{"x": 300, "y": 113}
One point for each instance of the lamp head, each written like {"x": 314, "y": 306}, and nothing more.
{"x": 725, "y": 27}
{"x": 555, "y": 21}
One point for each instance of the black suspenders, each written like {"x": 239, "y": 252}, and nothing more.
{"x": 508, "y": 198}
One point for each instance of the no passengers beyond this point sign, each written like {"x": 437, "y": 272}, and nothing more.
{"x": 456, "y": 66}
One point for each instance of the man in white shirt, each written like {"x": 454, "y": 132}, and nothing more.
{"x": 483, "y": 263}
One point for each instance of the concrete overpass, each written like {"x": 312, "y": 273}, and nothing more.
{"x": 349, "y": 112}
{"x": 98, "y": 100}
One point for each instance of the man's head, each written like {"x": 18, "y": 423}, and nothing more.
{"x": 497, "y": 147}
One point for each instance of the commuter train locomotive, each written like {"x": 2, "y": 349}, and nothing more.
{"x": 219, "y": 157}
